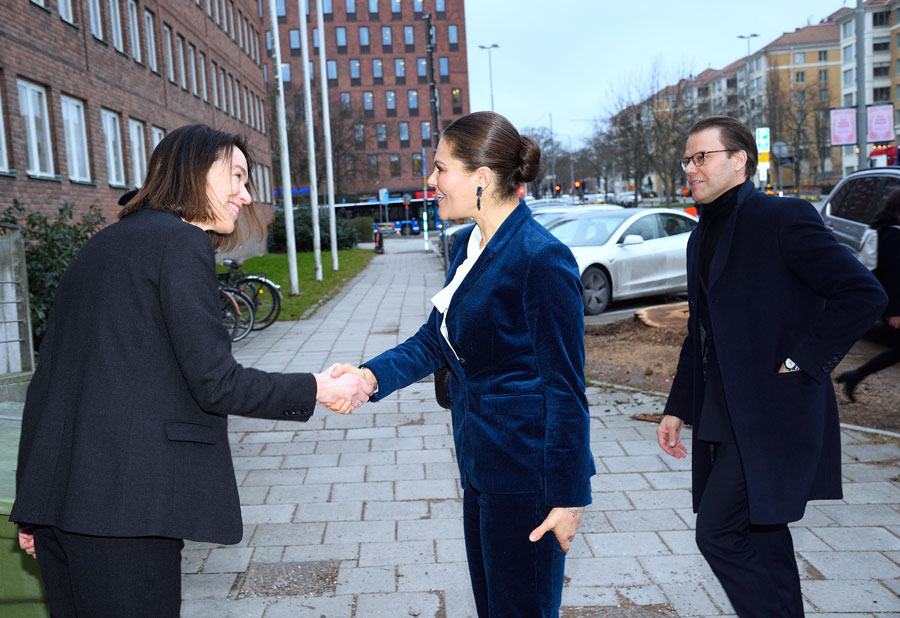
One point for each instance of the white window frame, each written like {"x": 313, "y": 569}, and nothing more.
{"x": 156, "y": 135}
{"x": 192, "y": 67}
{"x": 150, "y": 35}
{"x": 204, "y": 92}
{"x": 179, "y": 57}
{"x": 231, "y": 19}
{"x": 115, "y": 25}
{"x": 138, "y": 152}
{"x": 134, "y": 30}
{"x": 38, "y": 145}
{"x": 215, "y": 87}
{"x": 112, "y": 139}
{"x": 96, "y": 18}
{"x": 246, "y": 106}
{"x": 167, "y": 52}
{"x": 65, "y": 11}
{"x": 4, "y": 160}
{"x": 223, "y": 84}
{"x": 234, "y": 98}
{"x": 75, "y": 131}
{"x": 240, "y": 28}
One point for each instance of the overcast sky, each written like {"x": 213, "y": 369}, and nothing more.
{"x": 570, "y": 57}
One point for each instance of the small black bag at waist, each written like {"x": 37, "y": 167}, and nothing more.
{"x": 442, "y": 387}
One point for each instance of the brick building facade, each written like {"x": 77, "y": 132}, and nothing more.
{"x": 89, "y": 87}
{"x": 378, "y": 85}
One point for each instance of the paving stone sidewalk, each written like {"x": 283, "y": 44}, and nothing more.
{"x": 360, "y": 516}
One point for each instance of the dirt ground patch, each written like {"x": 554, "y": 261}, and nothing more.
{"x": 633, "y": 354}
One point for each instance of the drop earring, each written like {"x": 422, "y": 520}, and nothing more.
{"x": 478, "y": 195}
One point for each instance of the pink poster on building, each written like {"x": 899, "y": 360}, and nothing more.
{"x": 843, "y": 126}
{"x": 880, "y": 121}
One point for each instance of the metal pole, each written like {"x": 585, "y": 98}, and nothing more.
{"x": 435, "y": 132}
{"x": 862, "y": 159}
{"x": 310, "y": 139}
{"x": 287, "y": 201}
{"x": 326, "y": 129}
{"x": 490, "y": 69}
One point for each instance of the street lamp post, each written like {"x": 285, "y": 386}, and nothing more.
{"x": 490, "y": 69}
{"x": 747, "y": 38}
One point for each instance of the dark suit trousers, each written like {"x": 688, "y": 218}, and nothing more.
{"x": 511, "y": 576}
{"x": 755, "y": 564}
{"x": 109, "y": 577}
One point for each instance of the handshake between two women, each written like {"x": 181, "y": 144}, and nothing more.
{"x": 342, "y": 387}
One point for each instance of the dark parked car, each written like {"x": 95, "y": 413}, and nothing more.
{"x": 852, "y": 204}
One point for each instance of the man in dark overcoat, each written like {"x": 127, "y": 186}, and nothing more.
{"x": 775, "y": 303}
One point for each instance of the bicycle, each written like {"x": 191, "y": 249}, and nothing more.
{"x": 264, "y": 294}
{"x": 237, "y": 312}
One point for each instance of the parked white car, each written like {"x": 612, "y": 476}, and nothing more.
{"x": 627, "y": 253}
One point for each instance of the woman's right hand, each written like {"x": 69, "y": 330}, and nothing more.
{"x": 341, "y": 391}
{"x": 894, "y": 322}
{"x": 26, "y": 542}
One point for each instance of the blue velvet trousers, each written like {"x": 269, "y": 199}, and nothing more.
{"x": 511, "y": 576}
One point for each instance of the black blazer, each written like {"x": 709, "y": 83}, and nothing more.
{"x": 124, "y": 427}
{"x": 780, "y": 286}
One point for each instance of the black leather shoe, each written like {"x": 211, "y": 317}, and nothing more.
{"x": 849, "y": 380}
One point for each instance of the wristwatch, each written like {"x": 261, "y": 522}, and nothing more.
{"x": 791, "y": 366}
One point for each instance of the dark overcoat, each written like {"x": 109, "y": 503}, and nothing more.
{"x": 780, "y": 286}
{"x": 124, "y": 431}
{"x": 520, "y": 416}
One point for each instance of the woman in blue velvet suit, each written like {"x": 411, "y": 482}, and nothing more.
{"x": 509, "y": 326}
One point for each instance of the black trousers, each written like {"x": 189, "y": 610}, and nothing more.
{"x": 511, "y": 576}
{"x": 109, "y": 577}
{"x": 755, "y": 564}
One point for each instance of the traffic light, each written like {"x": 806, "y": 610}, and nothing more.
{"x": 557, "y": 190}
{"x": 522, "y": 191}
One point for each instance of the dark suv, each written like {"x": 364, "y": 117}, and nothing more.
{"x": 852, "y": 204}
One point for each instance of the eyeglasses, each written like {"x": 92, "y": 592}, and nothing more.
{"x": 700, "y": 158}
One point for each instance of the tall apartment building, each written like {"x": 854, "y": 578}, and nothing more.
{"x": 89, "y": 87}
{"x": 378, "y": 85}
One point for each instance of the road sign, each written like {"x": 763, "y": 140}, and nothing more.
{"x": 762, "y": 139}
{"x": 763, "y": 157}
{"x": 788, "y": 160}
{"x": 383, "y": 196}
{"x": 779, "y": 149}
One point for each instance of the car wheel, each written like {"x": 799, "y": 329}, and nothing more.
{"x": 596, "y": 290}
{"x": 406, "y": 230}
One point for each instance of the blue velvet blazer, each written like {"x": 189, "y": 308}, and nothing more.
{"x": 520, "y": 416}
{"x": 780, "y": 286}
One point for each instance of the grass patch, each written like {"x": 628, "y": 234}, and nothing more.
{"x": 312, "y": 292}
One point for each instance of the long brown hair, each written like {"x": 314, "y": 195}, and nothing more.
{"x": 177, "y": 181}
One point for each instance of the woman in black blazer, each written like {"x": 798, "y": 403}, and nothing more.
{"x": 509, "y": 326}
{"x": 124, "y": 451}
{"x": 887, "y": 222}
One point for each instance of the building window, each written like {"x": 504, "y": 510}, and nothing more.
{"x": 156, "y": 135}
{"x": 417, "y": 167}
{"x": 848, "y": 53}
{"x": 800, "y": 97}
{"x": 312, "y": 70}
{"x": 823, "y": 95}
{"x": 351, "y": 9}
{"x": 823, "y": 75}
{"x": 373, "y": 165}
{"x": 378, "y": 70}
{"x": 453, "y": 37}
{"x": 294, "y": 41}
{"x": 354, "y": 72}
{"x": 134, "y": 30}
{"x": 115, "y": 25}
{"x": 341, "y": 35}
{"x": 400, "y": 70}
{"x": 315, "y": 37}
{"x": 179, "y": 57}
{"x": 404, "y": 134}
{"x": 373, "y": 7}
{"x": 76, "y": 139}
{"x": 115, "y": 168}
{"x": 417, "y": 6}
{"x": 395, "y": 9}
{"x": 286, "y": 72}
{"x": 409, "y": 38}
{"x": 96, "y": 19}
{"x": 369, "y": 103}
{"x": 847, "y": 29}
{"x": 848, "y": 77}
{"x": 381, "y": 134}
{"x": 65, "y": 11}
{"x": 395, "y": 165}
{"x": 881, "y": 44}
{"x": 138, "y": 151}
{"x": 799, "y": 58}
{"x": 823, "y": 55}
{"x": 150, "y": 34}
{"x": 212, "y": 79}
{"x": 331, "y": 68}
{"x": 881, "y": 18}
{"x": 363, "y": 36}
{"x": 444, "y": 69}
{"x": 426, "y": 132}
{"x": 192, "y": 67}
{"x": 386, "y": 37}
{"x": 231, "y": 108}
{"x": 456, "y": 99}
{"x": 412, "y": 97}
{"x": 167, "y": 52}
{"x": 4, "y": 159}
{"x": 390, "y": 102}
{"x": 422, "y": 70}
{"x": 439, "y": 6}
{"x": 33, "y": 109}
{"x": 881, "y": 69}
{"x": 202, "y": 70}
{"x": 848, "y": 99}
{"x": 880, "y": 95}
{"x": 800, "y": 77}
{"x": 345, "y": 102}
{"x": 359, "y": 135}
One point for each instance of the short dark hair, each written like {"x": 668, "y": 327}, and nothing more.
{"x": 891, "y": 205}
{"x": 487, "y": 139}
{"x": 177, "y": 181}
{"x": 734, "y": 135}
